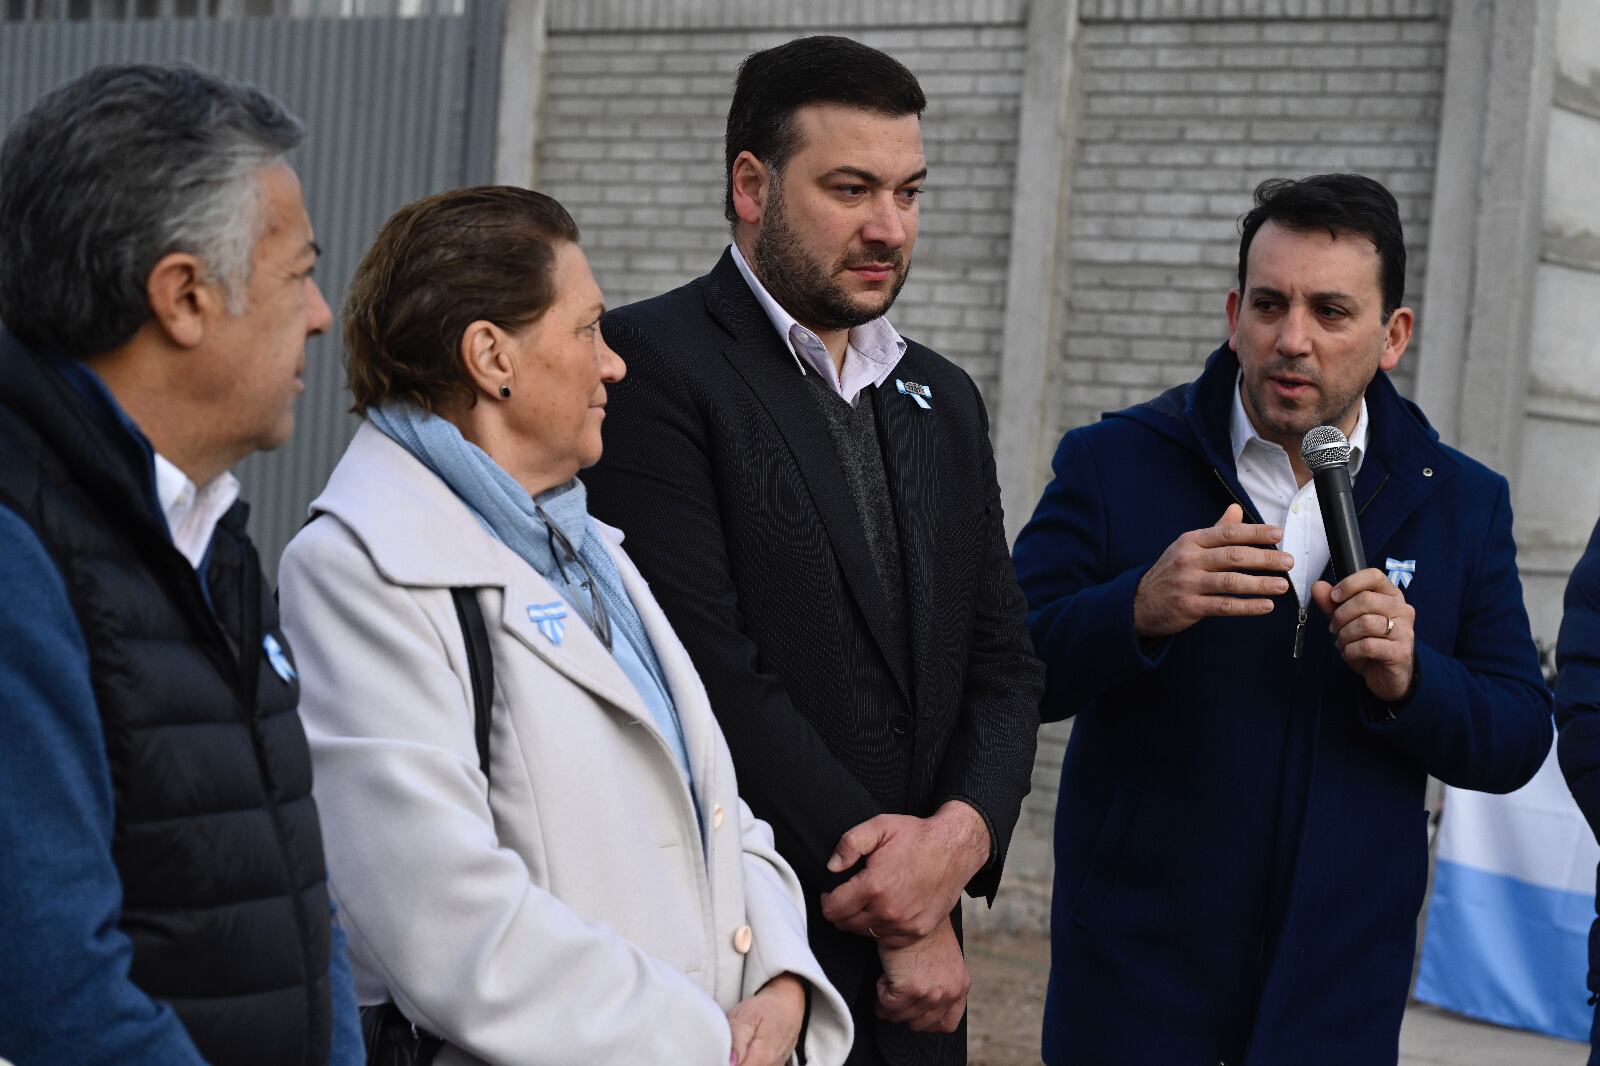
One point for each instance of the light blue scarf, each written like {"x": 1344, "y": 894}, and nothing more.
{"x": 506, "y": 510}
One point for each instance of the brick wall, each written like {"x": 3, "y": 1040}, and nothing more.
{"x": 1177, "y": 122}
{"x": 1177, "y": 119}
{"x": 632, "y": 145}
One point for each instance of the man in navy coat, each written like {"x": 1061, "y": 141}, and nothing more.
{"x": 1578, "y": 717}
{"x": 1241, "y": 847}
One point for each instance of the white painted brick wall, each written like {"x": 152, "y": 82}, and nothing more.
{"x": 1178, "y": 122}
{"x": 633, "y": 146}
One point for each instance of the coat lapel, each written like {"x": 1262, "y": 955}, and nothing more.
{"x": 908, "y": 435}
{"x": 579, "y": 655}
{"x": 377, "y": 491}
{"x": 1404, "y": 465}
{"x": 763, "y": 360}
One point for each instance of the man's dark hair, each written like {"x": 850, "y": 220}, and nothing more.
{"x": 116, "y": 169}
{"x": 773, "y": 84}
{"x": 437, "y": 266}
{"x": 1338, "y": 203}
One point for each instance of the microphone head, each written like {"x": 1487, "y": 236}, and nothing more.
{"x": 1323, "y": 447}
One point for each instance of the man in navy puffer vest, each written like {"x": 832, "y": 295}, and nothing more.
{"x": 163, "y": 896}
{"x": 1240, "y": 841}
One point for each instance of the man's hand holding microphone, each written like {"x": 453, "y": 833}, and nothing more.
{"x": 1231, "y": 570}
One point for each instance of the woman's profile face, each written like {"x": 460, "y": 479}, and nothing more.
{"x": 563, "y": 365}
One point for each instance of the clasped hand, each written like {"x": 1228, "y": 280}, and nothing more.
{"x": 924, "y": 985}
{"x": 914, "y": 872}
{"x": 766, "y": 1026}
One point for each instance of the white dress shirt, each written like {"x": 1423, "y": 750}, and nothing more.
{"x": 192, "y": 511}
{"x": 1268, "y": 479}
{"x": 873, "y": 351}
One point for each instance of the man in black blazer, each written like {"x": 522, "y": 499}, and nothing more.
{"x": 813, "y": 500}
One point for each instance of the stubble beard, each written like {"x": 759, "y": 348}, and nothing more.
{"x": 1286, "y": 427}
{"x": 800, "y": 285}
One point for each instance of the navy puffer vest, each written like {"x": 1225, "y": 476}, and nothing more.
{"x": 216, "y": 836}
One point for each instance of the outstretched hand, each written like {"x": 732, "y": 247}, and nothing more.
{"x": 1200, "y": 575}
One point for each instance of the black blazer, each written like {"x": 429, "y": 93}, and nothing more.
{"x": 733, "y": 500}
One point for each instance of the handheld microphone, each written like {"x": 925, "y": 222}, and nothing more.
{"x": 1327, "y": 453}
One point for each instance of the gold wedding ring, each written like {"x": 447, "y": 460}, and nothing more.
{"x": 1388, "y": 629}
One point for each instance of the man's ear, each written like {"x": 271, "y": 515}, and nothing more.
{"x": 751, "y": 187}
{"x": 1233, "y": 319}
{"x": 485, "y": 351}
{"x": 181, "y": 299}
{"x": 1396, "y": 335}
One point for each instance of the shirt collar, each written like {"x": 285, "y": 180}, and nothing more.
{"x": 191, "y": 514}
{"x": 1242, "y": 431}
{"x": 877, "y": 343}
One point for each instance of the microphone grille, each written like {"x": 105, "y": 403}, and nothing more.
{"x": 1323, "y": 447}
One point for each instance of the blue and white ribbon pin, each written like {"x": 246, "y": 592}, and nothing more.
{"x": 920, "y": 393}
{"x": 548, "y": 617}
{"x": 1400, "y": 571}
{"x": 278, "y": 659}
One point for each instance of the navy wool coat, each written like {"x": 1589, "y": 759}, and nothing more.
{"x": 1241, "y": 847}
{"x": 1578, "y": 716}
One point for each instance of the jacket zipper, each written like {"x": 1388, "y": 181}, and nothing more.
{"x": 1300, "y": 623}
{"x": 1300, "y": 618}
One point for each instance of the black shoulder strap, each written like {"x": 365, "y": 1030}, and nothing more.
{"x": 480, "y": 662}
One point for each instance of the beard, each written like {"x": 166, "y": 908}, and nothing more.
{"x": 802, "y": 286}
{"x": 1286, "y": 426}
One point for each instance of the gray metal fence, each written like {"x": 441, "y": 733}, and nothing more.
{"x": 395, "y": 108}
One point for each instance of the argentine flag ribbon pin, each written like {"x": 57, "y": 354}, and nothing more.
{"x": 920, "y": 393}
{"x": 549, "y": 618}
{"x": 1400, "y": 571}
{"x": 278, "y": 659}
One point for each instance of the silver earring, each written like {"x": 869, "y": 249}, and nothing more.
{"x": 505, "y": 392}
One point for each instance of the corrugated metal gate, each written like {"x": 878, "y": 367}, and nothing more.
{"x": 396, "y": 107}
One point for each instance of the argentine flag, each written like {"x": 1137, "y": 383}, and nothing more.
{"x": 1507, "y": 938}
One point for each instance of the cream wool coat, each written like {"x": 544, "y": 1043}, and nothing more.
{"x": 574, "y": 916}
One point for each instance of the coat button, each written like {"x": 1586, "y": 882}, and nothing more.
{"x": 716, "y": 816}
{"x": 901, "y": 724}
{"x": 742, "y": 939}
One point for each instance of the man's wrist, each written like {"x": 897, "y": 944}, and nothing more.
{"x": 969, "y": 832}
{"x": 1389, "y": 710}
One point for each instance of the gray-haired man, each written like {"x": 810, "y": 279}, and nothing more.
{"x": 163, "y": 897}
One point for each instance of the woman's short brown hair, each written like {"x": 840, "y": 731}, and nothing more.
{"x": 437, "y": 266}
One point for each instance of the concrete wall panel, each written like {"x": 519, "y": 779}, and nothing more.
{"x": 1566, "y": 334}
{"x": 1571, "y": 207}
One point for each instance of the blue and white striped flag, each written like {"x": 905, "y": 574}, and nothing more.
{"x": 1513, "y": 897}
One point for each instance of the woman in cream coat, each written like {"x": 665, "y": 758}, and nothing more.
{"x": 604, "y": 896}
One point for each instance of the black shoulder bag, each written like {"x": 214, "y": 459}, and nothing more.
{"x": 389, "y": 1036}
